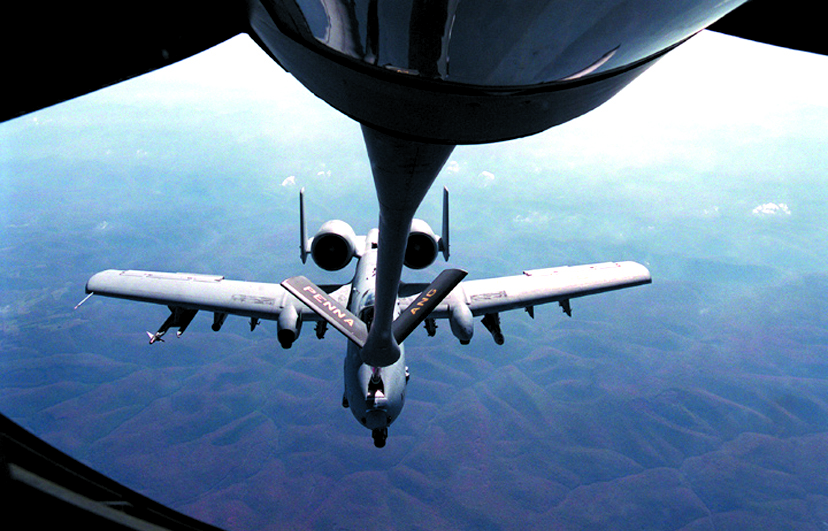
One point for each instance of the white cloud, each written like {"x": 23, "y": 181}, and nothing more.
{"x": 290, "y": 181}
{"x": 772, "y": 209}
{"x": 532, "y": 217}
{"x": 486, "y": 178}
{"x": 712, "y": 212}
{"x": 452, "y": 167}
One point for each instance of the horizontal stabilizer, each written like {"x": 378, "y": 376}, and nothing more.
{"x": 328, "y": 308}
{"x": 422, "y": 306}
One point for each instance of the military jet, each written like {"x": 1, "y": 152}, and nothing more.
{"x": 374, "y": 393}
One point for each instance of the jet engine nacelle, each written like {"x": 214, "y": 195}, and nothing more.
{"x": 289, "y": 324}
{"x": 422, "y": 247}
{"x": 334, "y": 245}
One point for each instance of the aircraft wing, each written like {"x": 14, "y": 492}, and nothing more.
{"x": 187, "y": 293}
{"x": 540, "y": 286}
{"x": 795, "y": 24}
{"x": 55, "y": 51}
{"x": 487, "y": 297}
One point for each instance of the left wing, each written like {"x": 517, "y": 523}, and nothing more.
{"x": 540, "y": 286}
{"x": 186, "y": 294}
{"x": 54, "y": 51}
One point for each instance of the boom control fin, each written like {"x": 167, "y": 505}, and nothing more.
{"x": 320, "y": 302}
{"x": 422, "y": 306}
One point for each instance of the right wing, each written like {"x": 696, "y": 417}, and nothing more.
{"x": 490, "y": 296}
{"x": 556, "y": 284}
{"x": 186, "y": 293}
{"x": 795, "y": 24}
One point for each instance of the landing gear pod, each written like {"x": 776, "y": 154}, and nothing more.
{"x": 461, "y": 322}
{"x": 289, "y": 324}
{"x": 334, "y": 245}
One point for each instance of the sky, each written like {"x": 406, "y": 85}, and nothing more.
{"x": 698, "y": 402}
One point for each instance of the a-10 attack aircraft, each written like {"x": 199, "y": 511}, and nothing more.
{"x": 374, "y": 394}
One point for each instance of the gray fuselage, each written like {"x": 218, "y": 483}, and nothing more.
{"x": 375, "y": 403}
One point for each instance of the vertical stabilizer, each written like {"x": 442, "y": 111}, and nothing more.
{"x": 444, "y": 232}
{"x": 304, "y": 244}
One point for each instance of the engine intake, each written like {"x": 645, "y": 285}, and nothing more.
{"x": 422, "y": 247}
{"x": 334, "y": 245}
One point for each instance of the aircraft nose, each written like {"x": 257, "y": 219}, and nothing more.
{"x": 375, "y": 419}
